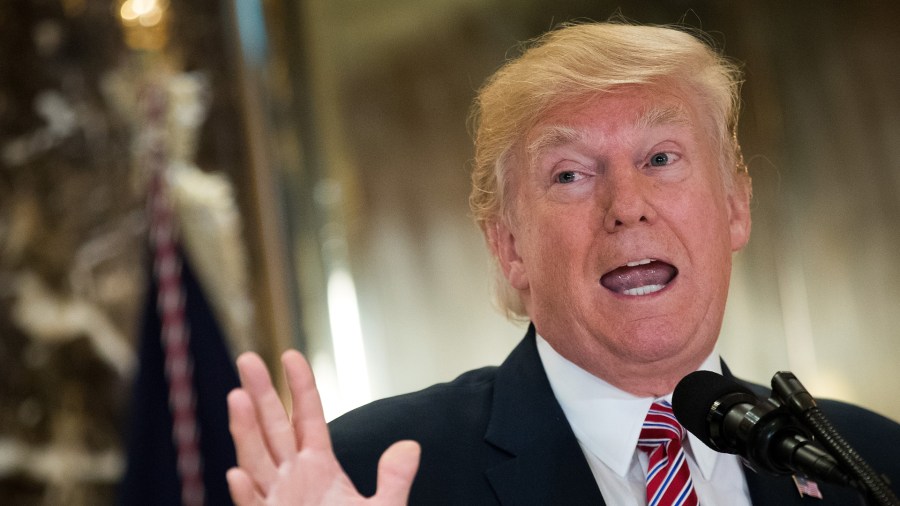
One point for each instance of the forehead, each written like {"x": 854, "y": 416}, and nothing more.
{"x": 623, "y": 110}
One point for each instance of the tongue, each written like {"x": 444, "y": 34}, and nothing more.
{"x": 626, "y": 278}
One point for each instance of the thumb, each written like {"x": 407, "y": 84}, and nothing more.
{"x": 396, "y": 470}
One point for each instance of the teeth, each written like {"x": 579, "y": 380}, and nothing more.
{"x": 639, "y": 262}
{"x": 644, "y": 290}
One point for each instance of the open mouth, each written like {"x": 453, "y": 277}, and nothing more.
{"x": 639, "y": 277}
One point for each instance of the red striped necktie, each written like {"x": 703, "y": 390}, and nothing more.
{"x": 668, "y": 477}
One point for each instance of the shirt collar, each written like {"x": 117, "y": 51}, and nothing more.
{"x": 606, "y": 420}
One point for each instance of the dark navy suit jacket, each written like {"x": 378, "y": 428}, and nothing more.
{"x": 497, "y": 435}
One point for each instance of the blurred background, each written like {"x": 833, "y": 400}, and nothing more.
{"x": 316, "y": 157}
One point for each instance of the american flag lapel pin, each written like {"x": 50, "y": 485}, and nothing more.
{"x": 807, "y": 487}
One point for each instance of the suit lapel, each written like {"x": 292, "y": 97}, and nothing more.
{"x": 769, "y": 489}
{"x": 546, "y": 464}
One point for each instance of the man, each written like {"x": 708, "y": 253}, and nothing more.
{"x": 610, "y": 187}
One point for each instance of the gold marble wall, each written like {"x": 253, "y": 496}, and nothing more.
{"x": 70, "y": 255}
{"x": 73, "y": 228}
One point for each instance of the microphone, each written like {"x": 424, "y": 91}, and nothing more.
{"x": 729, "y": 418}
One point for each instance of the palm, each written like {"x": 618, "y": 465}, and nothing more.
{"x": 312, "y": 477}
{"x": 290, "y": 461}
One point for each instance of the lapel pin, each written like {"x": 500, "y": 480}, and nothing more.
{"x": 807, "y": 487}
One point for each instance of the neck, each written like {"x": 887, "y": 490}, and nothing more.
{"x": 655, "y": 386}
{"x": 642, "y": 379}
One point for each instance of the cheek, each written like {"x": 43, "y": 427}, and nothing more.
{"x": 558, "y": 265}
{"x": 707, "y": 213}
{"x": 716, "y": 242}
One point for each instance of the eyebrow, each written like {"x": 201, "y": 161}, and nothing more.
{"x": 667, "y": 115}
{"x": 552, "y": 137}
{"x": 560, "y": 135}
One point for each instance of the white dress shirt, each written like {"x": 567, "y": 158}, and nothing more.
{"x": 607, "y": 422}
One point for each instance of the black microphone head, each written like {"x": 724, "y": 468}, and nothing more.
{"x": 698, "y": 396}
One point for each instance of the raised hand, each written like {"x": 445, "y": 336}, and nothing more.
{"x": 289, "y": 461}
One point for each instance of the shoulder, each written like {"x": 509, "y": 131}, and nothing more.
{"x": 874, "y": 436}
{"x": 846, "y": 417}
{"x": 463, "y": 399}
{"x": 854, "y": 417}
{"x": 449, "y": 420}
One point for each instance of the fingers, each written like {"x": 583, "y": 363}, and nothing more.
{"x": 277, "y": 431}
{"x": 307, "y": 416}
{"x": 396, "y": 471}
{"x": 252, "y": 453}
{"x": 243, "y": 491}
{"x": 265, "y": 439}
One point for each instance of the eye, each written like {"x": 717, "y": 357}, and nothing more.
{"x": 568, "y": 176}
{"x": 659, "y": 159}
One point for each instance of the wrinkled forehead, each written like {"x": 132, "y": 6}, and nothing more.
{"x": 631, "y": 108}
{"x": 550, "y": 134}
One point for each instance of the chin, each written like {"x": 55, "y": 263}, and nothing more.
{"x": 651, "y": 347}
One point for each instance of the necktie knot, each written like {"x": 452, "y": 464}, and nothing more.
{"x": 660, "y": 428}
{"x": 668, "y": 477}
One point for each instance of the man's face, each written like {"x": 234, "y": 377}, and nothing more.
{"x": 622, "y": 232}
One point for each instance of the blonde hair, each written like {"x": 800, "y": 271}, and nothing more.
{"x": 574, "y": 62}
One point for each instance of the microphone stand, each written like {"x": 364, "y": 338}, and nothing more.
{"x": 788, "y": 389}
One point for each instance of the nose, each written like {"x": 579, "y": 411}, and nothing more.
{"x": 624, "y": 198}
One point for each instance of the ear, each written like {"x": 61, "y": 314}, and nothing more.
{"x": 739, "y": 211}
{"x": 503, "y": 245}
